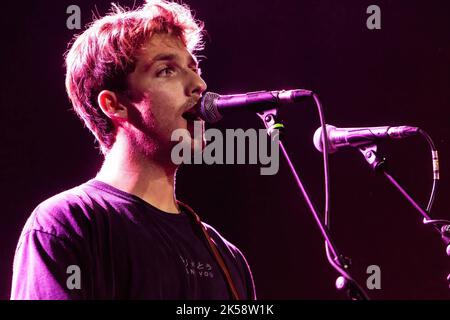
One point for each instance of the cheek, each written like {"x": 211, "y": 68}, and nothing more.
{"x": 154, "y": 109}
{"x": 167, "y": 106}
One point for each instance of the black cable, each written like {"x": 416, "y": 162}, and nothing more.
{"x": 435, "y": 162}
{"x": 326, "y": 172}
{"x": 354, "y": 290}
{"x": 338, "y": 262}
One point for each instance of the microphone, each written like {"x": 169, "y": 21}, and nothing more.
{"x": 212, "y": 104}
{"x": 355, "y": 137}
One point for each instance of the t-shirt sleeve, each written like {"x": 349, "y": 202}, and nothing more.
{"x": 45, "y": 267}
{"x": 51, "y": 258}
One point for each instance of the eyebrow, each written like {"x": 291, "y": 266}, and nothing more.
{"x": 168, "y": 57}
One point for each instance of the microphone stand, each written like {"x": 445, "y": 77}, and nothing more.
{"x": 378, "y": 163}
{"x": 345, "y": 281}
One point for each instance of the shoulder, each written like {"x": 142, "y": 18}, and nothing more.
{"x": 226, "y": 246}
{"x": 62, "y": 215}
{"x": 221, "y": 240}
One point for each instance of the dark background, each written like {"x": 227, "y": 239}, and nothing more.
{"x": 393, "y": 76}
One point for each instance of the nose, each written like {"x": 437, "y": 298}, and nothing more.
{"x": 196, "y": 85}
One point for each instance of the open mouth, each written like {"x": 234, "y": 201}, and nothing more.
{"x": 192, "y": 114}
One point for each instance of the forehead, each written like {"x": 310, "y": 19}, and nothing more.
{"x": 164, "y": 44}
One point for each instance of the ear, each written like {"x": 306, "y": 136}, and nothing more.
{"x": 111, "y": 107}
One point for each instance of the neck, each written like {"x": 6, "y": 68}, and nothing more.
{"x": 141, "y": 176}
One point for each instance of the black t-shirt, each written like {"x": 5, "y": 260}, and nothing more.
{"x": 97, "y": 242}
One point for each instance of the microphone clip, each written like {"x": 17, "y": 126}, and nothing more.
{"x": 275, "y": 127}
{"x": 373, "y": 158}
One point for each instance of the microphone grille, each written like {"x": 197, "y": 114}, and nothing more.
{"x": 317, "y": 139}
{"x": 208, "y": 108}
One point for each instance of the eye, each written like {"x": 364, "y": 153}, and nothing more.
{"x": 167, "y": 71}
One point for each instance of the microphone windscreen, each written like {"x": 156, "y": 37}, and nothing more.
{"x": 317, "y": 139}
{"x": 208, "y": 107}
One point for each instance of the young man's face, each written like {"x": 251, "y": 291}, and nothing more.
{"x": 164, "y": 85}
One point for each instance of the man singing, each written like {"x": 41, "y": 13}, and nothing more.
{"x": 133, "y": 79}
